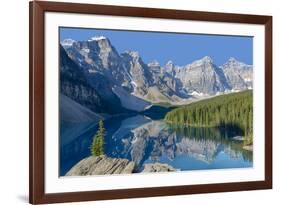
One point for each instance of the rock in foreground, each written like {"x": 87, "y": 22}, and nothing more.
{"x": 101, "y": 165}
{"x": 248, "y": 147}
{"x": 158, "y": 167}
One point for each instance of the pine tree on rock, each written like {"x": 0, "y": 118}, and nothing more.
{"x": 97, "y": 147}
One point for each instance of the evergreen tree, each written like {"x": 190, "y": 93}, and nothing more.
{"x": 97, "y": 147}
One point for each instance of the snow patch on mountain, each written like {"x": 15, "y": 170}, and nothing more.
{"x": 97, "y": 38}
{"x": 197, "y": 93}
{"x": 134, "y": 84}
{"x": 67, "y": 42}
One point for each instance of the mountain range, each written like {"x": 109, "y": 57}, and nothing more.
{"x": 94, "y": 75}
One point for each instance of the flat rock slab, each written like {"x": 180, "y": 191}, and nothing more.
{"x": 101, "y": 165}
{"x": 158, "y": 167}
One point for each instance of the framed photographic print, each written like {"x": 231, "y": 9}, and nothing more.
{"x": 139, "y": 102}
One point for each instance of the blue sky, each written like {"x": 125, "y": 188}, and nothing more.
{"x": 182, "y": 49}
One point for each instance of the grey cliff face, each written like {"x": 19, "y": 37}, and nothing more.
{"x": 74, "y": 84}
{"x": 239, "y": 75}
{"x": 95, "y": 54}
{"x": 77, "y": 85}
{"x": 138, "y": 72}
{"x": 203, "y": 76}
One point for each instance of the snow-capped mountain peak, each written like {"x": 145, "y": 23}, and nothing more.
{"x": 67, "y": 42}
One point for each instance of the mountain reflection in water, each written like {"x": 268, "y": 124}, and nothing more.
{"x": 142, "y": 140}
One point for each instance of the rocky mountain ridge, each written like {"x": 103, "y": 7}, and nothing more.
{"x": 125, "y": 82}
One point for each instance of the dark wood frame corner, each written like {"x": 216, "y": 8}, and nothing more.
{"x": 37, "y": 193}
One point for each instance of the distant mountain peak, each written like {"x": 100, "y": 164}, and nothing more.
{"x": 232, "y": 60}
{"x": 204, "y": 60}
{"x": 207, "y": 59}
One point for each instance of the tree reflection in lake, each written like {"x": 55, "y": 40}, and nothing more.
{"x": 143, "y": 140}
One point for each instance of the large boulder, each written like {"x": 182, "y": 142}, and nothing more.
{"x": 101, "y": 165}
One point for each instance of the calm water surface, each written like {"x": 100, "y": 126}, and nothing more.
{"x": 143, "y": 140}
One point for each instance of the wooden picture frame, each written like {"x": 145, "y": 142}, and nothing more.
{"x": 37, "y": 10}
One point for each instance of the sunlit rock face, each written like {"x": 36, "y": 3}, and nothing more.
{"x": 203, "y": 76}
{"x": 239, "y": 75}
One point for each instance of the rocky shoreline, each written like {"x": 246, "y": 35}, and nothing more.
{"x": 103, "y": 165}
